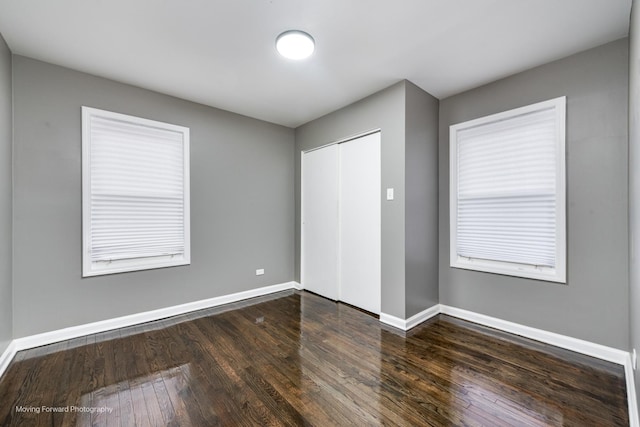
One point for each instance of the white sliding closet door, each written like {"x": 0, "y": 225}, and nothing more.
{"x": 341, "y": 222}
{"x": 320, "y": 221}
{"x": 360, "y": 223}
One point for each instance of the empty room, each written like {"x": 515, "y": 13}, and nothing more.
{"x": 280, "y": 212}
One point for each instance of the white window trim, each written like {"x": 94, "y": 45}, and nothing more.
{"x": 90, "y": 268}
{"x": 557, "y": 274}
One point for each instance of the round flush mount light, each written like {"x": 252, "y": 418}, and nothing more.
{"x": 295, "y": 44}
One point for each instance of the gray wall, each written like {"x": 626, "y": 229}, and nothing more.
{"x": 593, "y": 305}
{"x": 384, "y": 110}
{"x": 421, "y": 210}
{"x": 634, "y": 180}
{"x": 242, "y": 202}
{"x": 6, "y": 304}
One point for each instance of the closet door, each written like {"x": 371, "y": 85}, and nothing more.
{"x": 319, "y": 254}
{"x": 360, "y": 222}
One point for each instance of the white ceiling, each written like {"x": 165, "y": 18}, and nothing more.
{"x": 222, "y": 52}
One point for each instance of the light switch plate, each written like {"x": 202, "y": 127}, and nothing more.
{"x": 389, "y": 193}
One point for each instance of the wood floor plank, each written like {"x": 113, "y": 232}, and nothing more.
{"x": 281, "y": 366}
{"x": 108, "y": 396}
{"x": 121, "y": 388}
{"x": 279, "y": 342}
{"x": 284, "y": 374}
{"x": 74, "y": 380}
{"x": 32, "y": 379}
{"x": 295, "y": 358}
{"x": 168, "y": 359}
{"x": 13, "y": 392}
{"x": 224, "y": 379}
{"x": 97, "y": 366}
{"x": 154, "y": 364}
{"x": 172, "y": 408}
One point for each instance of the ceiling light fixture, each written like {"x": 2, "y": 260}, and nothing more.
{"x": 295, "y": 44}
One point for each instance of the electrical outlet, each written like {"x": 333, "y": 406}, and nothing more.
{"x": 634, "y": 359}
{"x": 260, "y": 272}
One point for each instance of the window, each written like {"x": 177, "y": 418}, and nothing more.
{"x": 507, "y": 192}
{"x": 135, "y": 193}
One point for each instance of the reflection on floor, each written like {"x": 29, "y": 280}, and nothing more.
{"x": 294, "y": 358}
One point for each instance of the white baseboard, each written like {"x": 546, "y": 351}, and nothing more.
{"x": 574, "y": 344}
{"x": 138, "y": 318}
{"x": 394, "y": 321}
{"x": 7, "y": 356}
{"x": 406, "y": 324}
{"x": 632, "y": 402}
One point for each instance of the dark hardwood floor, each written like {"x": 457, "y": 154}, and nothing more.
{"x": 297, "y": 359}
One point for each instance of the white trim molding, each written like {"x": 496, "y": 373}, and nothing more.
{"x": 569, "y": 343}
{"x": 415, "y": 320}
{"x": 7, "y": 356}
{"x": 394, "y": 321}
{"x": 632, "y": 401}
{"x": 147, "y": 316}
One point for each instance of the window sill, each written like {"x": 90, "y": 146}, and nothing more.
{"x": 511, "y": 269}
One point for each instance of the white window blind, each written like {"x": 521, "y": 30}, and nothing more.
{"x": 508, "y": 206}
{"x": 135, "y": 193}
